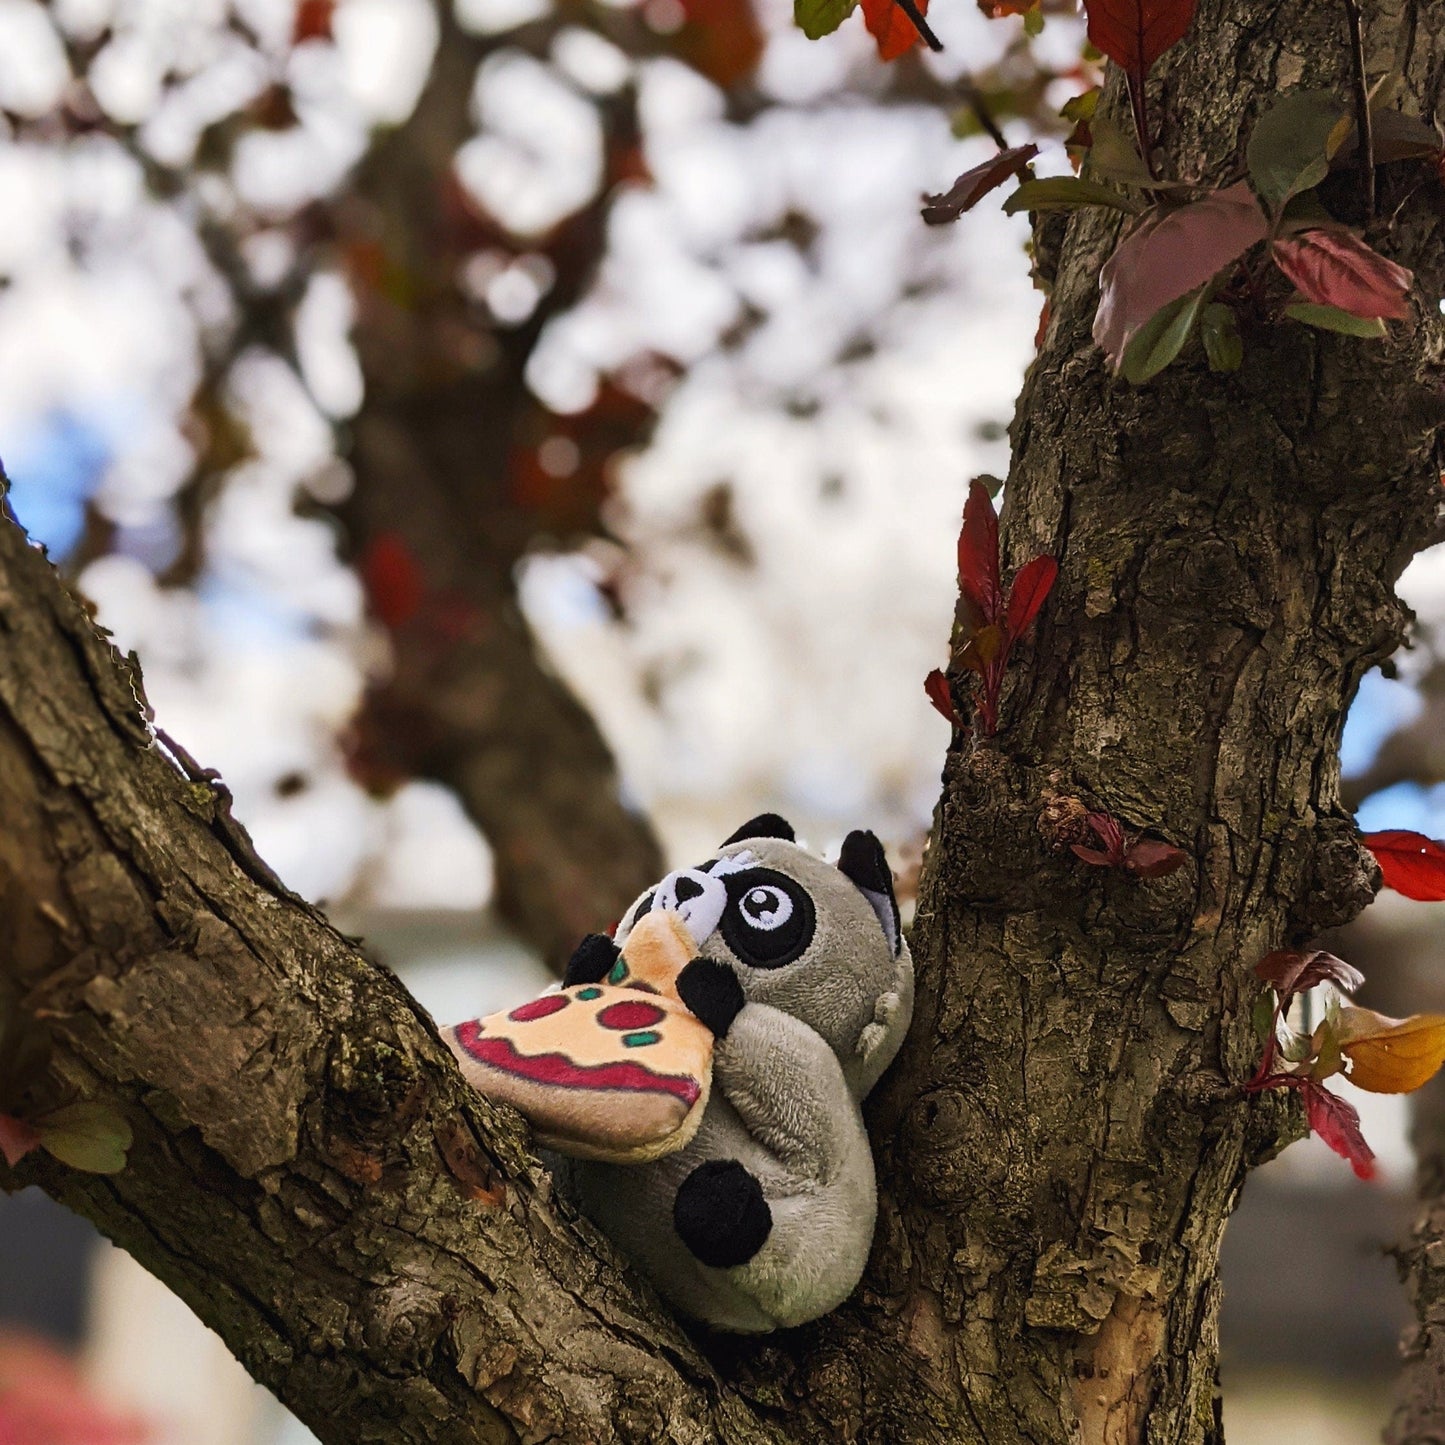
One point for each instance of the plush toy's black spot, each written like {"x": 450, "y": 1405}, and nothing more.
{"x": 591, "y": 960}
{"x": 765, "y": 825}
{"x": 712, "y": 992}
{"x": 686, "y": 888}
{"x": 720, "y": 1214}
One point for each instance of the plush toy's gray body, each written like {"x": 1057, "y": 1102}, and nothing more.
{"x": 766, "y": 1217}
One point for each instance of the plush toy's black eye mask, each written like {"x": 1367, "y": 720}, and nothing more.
{"x": 769, "y": 920}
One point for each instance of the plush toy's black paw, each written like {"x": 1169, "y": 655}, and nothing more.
{"x": 592, "y": 960}
{"x": 712, "y": 992}
{"x": 720, "y": 1213}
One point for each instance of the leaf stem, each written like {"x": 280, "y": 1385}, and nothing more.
{"x": 911, "y": 10}
{"x": 1364, "y": 122}
{"x": 1139, "y": 104}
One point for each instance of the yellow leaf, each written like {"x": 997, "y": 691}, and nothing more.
{"x": 1391, "y": 1056}
{"x": 982, "y": 648}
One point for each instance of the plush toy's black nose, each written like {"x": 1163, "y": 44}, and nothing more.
{"x": 686, "y": 888}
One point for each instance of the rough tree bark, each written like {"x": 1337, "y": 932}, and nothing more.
{"x": 1064, "y": 1135}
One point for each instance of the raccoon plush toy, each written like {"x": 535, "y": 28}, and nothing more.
{"x": 704, "y": 1073}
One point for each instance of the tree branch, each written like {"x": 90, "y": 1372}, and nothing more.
{"x": 309, "y": 1171}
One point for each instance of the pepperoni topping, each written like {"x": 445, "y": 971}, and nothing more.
{"x": 539, "y": 1008}
{"x": 623, "y": 1016}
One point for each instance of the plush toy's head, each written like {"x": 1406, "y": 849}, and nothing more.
{"x": 817, "y": 940}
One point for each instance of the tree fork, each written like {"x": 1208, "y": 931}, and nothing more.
{"x": 309, "y": 1171}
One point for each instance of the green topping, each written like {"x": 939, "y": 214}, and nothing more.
{"x": 636, "y": 1041}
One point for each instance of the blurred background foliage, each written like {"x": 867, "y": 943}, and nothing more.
{"x": 523, "y": 438}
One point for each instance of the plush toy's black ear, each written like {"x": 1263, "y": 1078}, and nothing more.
{"x": 765, "y": 825}
{"x": 862, "y": 860}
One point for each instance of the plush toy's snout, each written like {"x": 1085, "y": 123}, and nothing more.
{"x": 657, "y": 949}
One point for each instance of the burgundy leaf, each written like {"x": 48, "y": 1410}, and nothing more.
{"x": 1111, "y": 834}
{"x": 17, "y": 1139}
{"x": 1412, "y": 863}
{"x": 1395, "y": 136}
{"x": 978, "y": 577}
{"x": 1030, "y": 588}
{"x": 1092, "y": 855}
{"x": 1337, "y": 1123}
{"x": 936, "y": 686}
{"x": 1334, "y": 267}
{"x": 1291, "y": 970}
{"x": 1170, "y": 252}
{"x": 973, "y": 185}
{"x": 1135, "y": 33}
{"x": 1150, "y": 858}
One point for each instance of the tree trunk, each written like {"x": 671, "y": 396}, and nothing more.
{"x": 447, "y": 419}
{"x": 1064, "y": 1135}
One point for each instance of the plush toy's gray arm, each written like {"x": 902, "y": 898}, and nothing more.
{"x": 788, "y": 1089}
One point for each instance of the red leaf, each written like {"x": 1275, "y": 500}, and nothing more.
{"x": 1150, "y": 858}
{"x": 393, "y": 580}
{"x": 1412, "y": 863}
{"x": 313, "y": 20}
{"x": 1291, "y": 970}
{"x": 1092, "y": 855}
{"x": 978, "y": 577}
{"x": 973, "y": 185}
{"x": 1030, "y": 588}
{"x": 1337, "y": 1123}
{"x": 1111, "y": 834}
{"x": 890, "y": 27}
{"x": 17, "y": 1139}
{"x": 1335, "y": 268}
{"x": 1167, "y": 254}
{"x": 1135, "y": 33}
{"x": 936, "y": 686}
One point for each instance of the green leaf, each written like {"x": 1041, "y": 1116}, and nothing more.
{"x": 89, "y": 1136}
{"x": 1034, "y": 21}
{"x": 1114, "y": 155}
{"x": 1262, "y": 1016}
{"x": 1081, "y": 106}
{"x": 1329, "y": 1059}
{"x": 816, "y": 18}
{"x": 1331, "y": 318}
{"x": 1067, "y": 193}
{"x": 1294, "y": 1047}
{"x": 1161, "y": 338}
{"x": 1219, "y": 331}
{"x": 1292, "y": 143}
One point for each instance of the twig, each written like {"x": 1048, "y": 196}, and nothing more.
{"x": 979, "y": 106}
{"x": 1364, "y": 123}
{"x": 911, "y": 10}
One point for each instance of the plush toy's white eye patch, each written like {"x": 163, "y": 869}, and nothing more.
{"x": 766, "y": 907}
